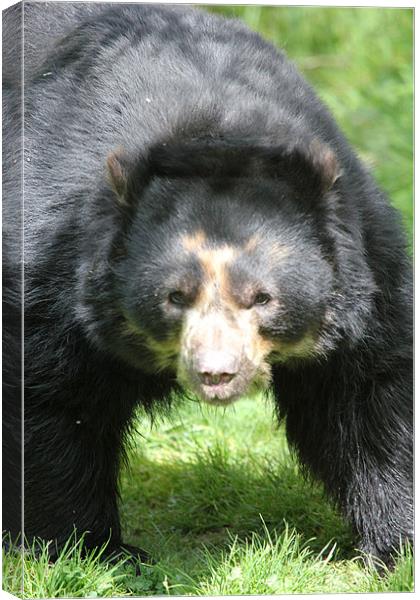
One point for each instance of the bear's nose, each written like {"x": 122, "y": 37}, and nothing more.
{"x": 216, "y": 378}
{"x": 216, "y": 368}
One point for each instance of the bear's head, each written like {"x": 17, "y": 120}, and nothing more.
{"x": 224, "y": 266}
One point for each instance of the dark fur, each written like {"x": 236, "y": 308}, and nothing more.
{"x": 204, "y": 110}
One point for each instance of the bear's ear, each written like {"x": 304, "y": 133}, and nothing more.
{"x": 127, "y": 176}
{"x": 118, "y": 173}
{"x": 325, "y": 163}
{"x": 310, "y": 164}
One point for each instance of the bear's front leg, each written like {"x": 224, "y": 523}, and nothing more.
{"x": 73, "y": 447}
{"x": 354, "y": 433}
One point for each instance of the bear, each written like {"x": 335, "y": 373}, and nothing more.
{"x": 193, "y": 219}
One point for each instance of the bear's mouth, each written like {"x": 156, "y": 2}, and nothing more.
{"x": 222, "y": 394}
{"x": 218, "y": 395}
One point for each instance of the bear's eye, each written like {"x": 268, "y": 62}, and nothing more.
{"x": 262, "y": 298}
{"x": 178, "y": 298}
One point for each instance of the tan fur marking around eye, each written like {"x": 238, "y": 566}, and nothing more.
{"x": 257, "y": 347}
{"x": 194, "y": 242}
{"x": 214, "y": 262}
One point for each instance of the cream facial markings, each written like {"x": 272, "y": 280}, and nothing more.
{"x": 215, "y": 325}
{"x": 214, "y": 262}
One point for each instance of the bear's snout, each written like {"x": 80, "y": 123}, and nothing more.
{"x": 216, "y": 368}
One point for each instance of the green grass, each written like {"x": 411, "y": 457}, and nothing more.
{"x": 215, "y": 496}
{"x": 72, "y": 574}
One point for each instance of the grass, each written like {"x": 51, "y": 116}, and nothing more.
{"x": 71, "y": 575}
{"x": 215, "y": 496}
